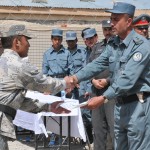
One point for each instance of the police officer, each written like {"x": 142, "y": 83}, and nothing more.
{"x": 78, "y": 56}
{"x": 104, "y": 113}
{"x": 57, "y": 61}
{"x": 127, "y": 56}
{"x": 79, "y": 59}
{"x": 78, "y": 53}
{"x": 90, "y": 37}
{"x": 16, "y": 76}
{"x": 141, "y": 24}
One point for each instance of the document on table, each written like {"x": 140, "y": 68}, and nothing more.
{"x": 69, "y": 104}
{"x": 42, "y": 97}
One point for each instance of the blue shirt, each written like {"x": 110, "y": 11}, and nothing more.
{"x": 57, "y": 62}
{"x": 129, "y": 66}
{"x": 79, "y": 58}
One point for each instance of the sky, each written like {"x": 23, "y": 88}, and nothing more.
{"x": 140, "y": 4}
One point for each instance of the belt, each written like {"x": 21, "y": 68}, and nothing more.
{"x": 146, "y": 94}
{"x": 8, "y": 110}
{"x": 58, "y": 76}
{"x": 127, "y": 99}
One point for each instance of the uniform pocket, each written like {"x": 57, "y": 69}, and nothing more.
{"x": 123, "y": 61}
{"x": 63, "y": 62}
{"x": 51, "y": 62}
{"x": 78, "y": 62}
{"x": 112, "y": 64}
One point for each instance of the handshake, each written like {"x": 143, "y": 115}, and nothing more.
{"x": 93, "y": 103}
{"x": 71, "y": 82}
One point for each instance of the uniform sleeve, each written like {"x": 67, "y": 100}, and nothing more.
{"x": 45, "y": 66}
{"x": 84, "y": 57}
{"x": 32, "y": 79}
{"x": 93, "y": 68}
{"x": 70, "y": 65}
{"x": 134, "y": 70}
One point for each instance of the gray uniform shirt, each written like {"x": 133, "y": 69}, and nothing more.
{"x": 16, "y": 76}
{"x": 129, "y": 66}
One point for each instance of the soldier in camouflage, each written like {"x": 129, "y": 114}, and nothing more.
{"x": 16, "y": 76}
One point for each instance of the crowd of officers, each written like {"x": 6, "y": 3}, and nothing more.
{"x": 59, "y": 62}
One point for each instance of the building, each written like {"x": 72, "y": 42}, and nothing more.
{"x": 40, "y": 16}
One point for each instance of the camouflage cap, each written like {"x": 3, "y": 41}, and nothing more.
{"x": 141, "y": 20}
{"x": 122, "y": 8}
{"x": 106, "y": 24}
{"x": 17, "y": 30}
{"x": 71, "y": 35}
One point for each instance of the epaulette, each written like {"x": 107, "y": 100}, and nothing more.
{"x": 138, "y": 40}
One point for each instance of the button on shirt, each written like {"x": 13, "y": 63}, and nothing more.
{"x": 57, "y": 62}
{"x": 130, "y": 69}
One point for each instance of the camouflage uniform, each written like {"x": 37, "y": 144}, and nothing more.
{"x": 17, "y": 75}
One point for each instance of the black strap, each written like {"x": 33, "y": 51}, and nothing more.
{"x": 146, "y": 94}
{"x": 127, "y": 99}
{"x": 8, "y": 110}
{"x": 58, "y": 76}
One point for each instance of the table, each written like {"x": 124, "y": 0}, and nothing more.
{"x": 60, "y": 145}
{"x": 34, "y": 122}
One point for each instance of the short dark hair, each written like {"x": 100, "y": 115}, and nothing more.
{"x": 7, "y": 42}
{"x": 82, "y": 32}
{"x": 52, "y": 36}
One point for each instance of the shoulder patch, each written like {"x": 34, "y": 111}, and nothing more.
{"x": 137, "y": 56}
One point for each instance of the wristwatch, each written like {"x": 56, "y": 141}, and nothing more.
{"x": 105, "y": 98}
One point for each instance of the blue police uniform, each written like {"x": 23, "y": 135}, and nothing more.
{"x": 85, "y": 87}
{"x": 105, "y": 113}
{"x": 79, "y": 58}
{"x": 57, "y": 63}
{"x": 129, "y": 66}
{"x": 78, "y": 53}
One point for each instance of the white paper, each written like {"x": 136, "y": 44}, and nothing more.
{"x": 42, "y": 97}
{"x": 69, "y": 104}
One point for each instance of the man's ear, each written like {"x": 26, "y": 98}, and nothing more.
{"x": 17, "y": 42}
{"x": 130, "y": 21}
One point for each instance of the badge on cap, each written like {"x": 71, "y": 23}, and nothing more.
{"x": 108, "y": 21}
{"x": 137, "y": 56}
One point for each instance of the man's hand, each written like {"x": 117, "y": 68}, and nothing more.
{"x": 87, "y": 94}
{"x": 95, "y": 102}
{"x": 71, "y": 81}
{"x": 57, "y": 109}
{"x": 99, "y": 83}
